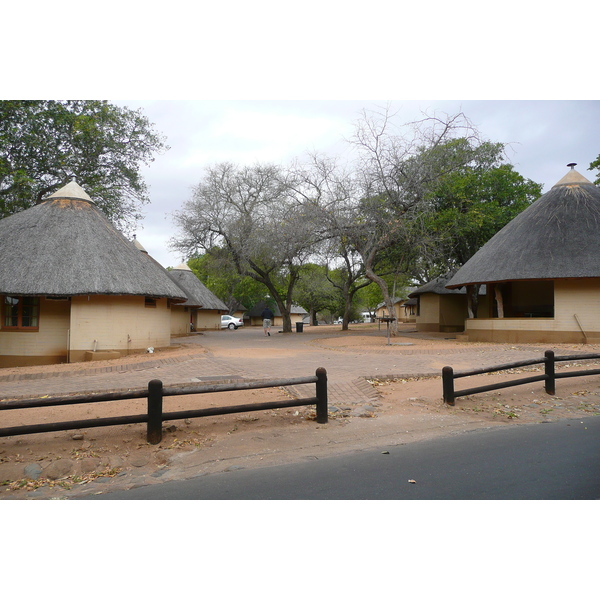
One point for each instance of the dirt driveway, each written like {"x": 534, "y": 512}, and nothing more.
{"x": 393, "y": 410}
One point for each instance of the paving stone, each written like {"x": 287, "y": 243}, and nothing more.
{"x": 32, "y": 471}
{"x": 59, "y": 468}
{"x": 89, "y": 465}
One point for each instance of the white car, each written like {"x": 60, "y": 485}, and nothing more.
{"x": 229, "y": 322}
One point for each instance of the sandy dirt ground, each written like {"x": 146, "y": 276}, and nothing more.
{"x": 68, "y": 463}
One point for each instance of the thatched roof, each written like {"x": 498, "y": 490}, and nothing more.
{"x": 237, "y": 306}
{"x": 557, "y": 237}
{"x": 395, "y": 300}
{"x": 65, "y": 246}
{"x": 436, "y": 286}
{"x": 199, "y": 296}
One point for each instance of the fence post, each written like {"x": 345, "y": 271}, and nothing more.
{"x": 448, "y": 385}
{"x": 321, "y": 386}
{"x": 550, "y": 383}
{"x": 155, "y": 400}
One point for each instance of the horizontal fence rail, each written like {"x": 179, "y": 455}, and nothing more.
{"x": 155, "y": 392}
{"x": 549, "y": 377}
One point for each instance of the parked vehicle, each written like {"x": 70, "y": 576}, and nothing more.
{"x": 229, "y": 322}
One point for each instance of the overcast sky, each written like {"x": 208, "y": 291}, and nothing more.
{"x": 542, "y": 137}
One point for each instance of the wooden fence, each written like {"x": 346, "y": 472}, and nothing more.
{"x": 155, "y": 392}
{"x": 549, "y": 377}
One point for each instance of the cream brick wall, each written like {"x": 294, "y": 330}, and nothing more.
{"x": 118, "y": 323}
{"x": 579, "y": 297}
{"x": 429, "y": 310}
{"x": 50, "y": 340}
{"x": 541, "y": 324}
{"x": 442, "y": 312}
{"x": 202, "y": 319}
{"x": 208, "y": 319}
{"x": 180, "y": 320}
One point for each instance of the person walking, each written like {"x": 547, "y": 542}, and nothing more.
{"x": 267, "y": 317}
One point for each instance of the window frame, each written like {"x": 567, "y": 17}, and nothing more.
{"x": 21, "y": 304}
{"x": 150, "y": 302}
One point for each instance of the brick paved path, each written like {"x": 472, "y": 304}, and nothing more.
{"x": 349, "y": 358}
{"x": 247, "y": 354}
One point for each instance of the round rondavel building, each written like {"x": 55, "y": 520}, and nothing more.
{"x": 541, "y": 271}
{"x": 72, "y": 287}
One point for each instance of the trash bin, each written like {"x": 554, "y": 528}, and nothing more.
{"x": 299, "y": 327}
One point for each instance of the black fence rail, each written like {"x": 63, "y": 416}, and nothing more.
{"x": 155, "y": 392}
{"x": 549, "y": 377}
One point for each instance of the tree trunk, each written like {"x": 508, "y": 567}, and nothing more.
{"x": 470, "y": 312}
{"x": 386, "y": 297}
{"x": 499, "y": 301}
{"x": 347, "y": 308}
{"x": 472, "y": 300}
{"x": 284, "y": 308}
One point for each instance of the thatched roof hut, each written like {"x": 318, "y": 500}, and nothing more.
{"x": 557, "y": 237}
{"x": 441, "y": 309}
{"x": 72, "y": 287}
{"x": 541, "y": 270}
{"x": 201, "y": 310}
{"x": 198, "y": 295}
{"x": 400, "y": 308}
{"x": 237, "y": 309}
{"x": 66, "y": 246}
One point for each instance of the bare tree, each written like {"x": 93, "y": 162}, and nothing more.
{"x": 395, "y": 170}
{"x": 273, "y": 220}
{"x": 252, "y": 213}
{"x": 328, "y": 192}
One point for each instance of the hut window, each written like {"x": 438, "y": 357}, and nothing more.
{"x": 150, "y": 302}
{"x": 20, "y": 313}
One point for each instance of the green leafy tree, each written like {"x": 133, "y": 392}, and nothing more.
{"x": 348, "y": 280}
{"x": 217, "y": 272}
{"x": 314, "y": 291}
{"x": 473, "y": 204}
{"x": 369, "y": 297}
{"x": 46, "y": 143}
{"x": 596, "y": 165}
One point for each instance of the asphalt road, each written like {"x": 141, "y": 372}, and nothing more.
{"x": 552, "y": 461}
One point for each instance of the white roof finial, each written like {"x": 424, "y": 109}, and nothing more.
{"x": 71, "y": 191}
